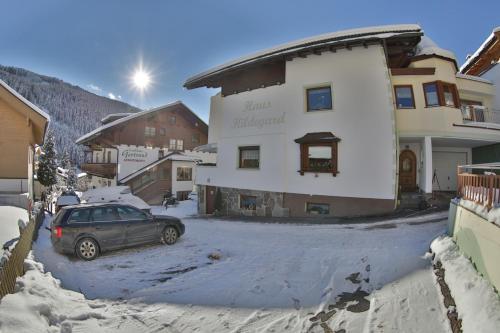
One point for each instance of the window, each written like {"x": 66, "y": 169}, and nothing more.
{"x": 180, "y": 144}
{"x": 184, "y": 174}
{"x": 249, "y": 157}
{"x": 319, "y": 98}
{"x": 248, "y": 202}
{"x": 105, "y": 214}
{"x": 172, "y": 144}
{"x": 441, "y": 93}
{"x": 149, "y": 131}
{"x": 448, "y": 95}
{"x": 404, "y": 97}
{"x": 195, "y": 138}
{"x": 172, "y": 120}
{"x": 318, "y": 208}
{"x": 79, "y": 216}
{"x": 129, "y": 213}
{"x": 160, "y": 154}
{"x": 431, "y": 94}
{"x": 320, "y": 158}
{"x": 318, "y": 153}
{"x": 163, "y": 131}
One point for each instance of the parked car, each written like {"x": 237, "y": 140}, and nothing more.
{"x": 90, "y": 229}
{"x": 67, "y": 198}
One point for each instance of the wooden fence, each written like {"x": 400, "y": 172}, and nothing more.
{"x": 14, "y": 267}
{"x": 482, "y": 189}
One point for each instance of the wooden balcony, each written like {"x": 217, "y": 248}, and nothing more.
{"x": 105, "y": 170}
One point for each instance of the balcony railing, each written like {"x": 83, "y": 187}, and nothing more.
{"x": 106, "y": 170}
{"x": 480, "y": 114}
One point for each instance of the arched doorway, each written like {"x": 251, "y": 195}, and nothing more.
{"x": 407, "y": 171}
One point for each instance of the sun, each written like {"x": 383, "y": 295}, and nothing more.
{"x": 141, "y": 79}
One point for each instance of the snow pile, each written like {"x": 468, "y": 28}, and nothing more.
{"x": 41, "y": 305}
{"x": 477, "y": 303}
{"x": 493, "y": 215}
{"x": 121, "y": 194}
{"x": 428, "y": 47}
{"x": 11, "y": 219}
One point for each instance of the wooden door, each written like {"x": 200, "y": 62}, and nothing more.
{"x": 407, "y": 171}
{"x": 210, "y": 199}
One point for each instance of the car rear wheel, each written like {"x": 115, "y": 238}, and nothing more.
{"x": 170, "y": 235}
{"x": 87, "y": 249}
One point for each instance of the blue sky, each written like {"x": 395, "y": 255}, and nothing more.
{"x": 100, "y": 42}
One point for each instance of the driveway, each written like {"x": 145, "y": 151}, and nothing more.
{"x": 304, "y": 277}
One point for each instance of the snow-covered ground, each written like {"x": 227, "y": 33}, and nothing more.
{"x": 269, "y": 278}
{"x": 477, "y": 304}
{"x": 9, "y": 222}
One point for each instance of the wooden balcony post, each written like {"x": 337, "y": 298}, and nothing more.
{"x": 491, "y": 179}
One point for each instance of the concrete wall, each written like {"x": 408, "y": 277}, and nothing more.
{"x": 362, "y": 116}
{"x": 478, "y": 239}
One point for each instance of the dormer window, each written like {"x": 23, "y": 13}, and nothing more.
{"x": 318, "y": 153}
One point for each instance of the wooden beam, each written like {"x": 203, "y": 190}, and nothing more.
{"x": 413, "y": 71}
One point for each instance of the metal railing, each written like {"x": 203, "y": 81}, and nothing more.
{"x": 14, "y": 266}
{"x": 478, "y": 113}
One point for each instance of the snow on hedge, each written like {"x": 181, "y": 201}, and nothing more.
{"x": 477, "y": 303}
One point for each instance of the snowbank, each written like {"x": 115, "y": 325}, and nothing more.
{"x": 11, "y": 218}
{"x": 477, "y": 303}
{"x": 493, "y": 215}
{"x": 120, "y": 194}
{"x": 41, "y": 305}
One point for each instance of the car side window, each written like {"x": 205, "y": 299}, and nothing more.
{"x": 79, "y": 216}
{"x": 128, "y": 213}
{"x": 105, "y": 214}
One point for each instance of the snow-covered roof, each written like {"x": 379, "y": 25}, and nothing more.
{"x": 114, "y": 116}
{"x": 174, "y": 156}
{"x": 377, "y": 32}
{"x": 24, "y": 100}
{"x": 473, "y": 58}
{"x": 207, "y": 148}
{"x": 98, "y": 130}
{"x": 428, "y": 47}
{"x": 473, "y": 78}
{"x": 118, "y": 194}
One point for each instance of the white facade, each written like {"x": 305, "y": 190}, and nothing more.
{"x": 273, "y": 117}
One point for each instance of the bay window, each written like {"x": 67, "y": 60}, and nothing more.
{"x": 441, "y": 93}
{"x": 318, "y": 153}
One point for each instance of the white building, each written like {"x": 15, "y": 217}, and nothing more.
{"x": 339, "y": 124}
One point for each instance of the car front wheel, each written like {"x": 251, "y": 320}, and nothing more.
{"x": 170, "y": 235}
{"x": 87, "y": 249}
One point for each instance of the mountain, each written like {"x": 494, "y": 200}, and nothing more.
{"x": 73, "y": 110}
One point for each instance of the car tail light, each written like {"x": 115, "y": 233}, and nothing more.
{"x": 58, "y": 232}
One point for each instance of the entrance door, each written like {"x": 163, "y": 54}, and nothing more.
{"x": 407, "y": 171}
{"x": 210, "y": 199}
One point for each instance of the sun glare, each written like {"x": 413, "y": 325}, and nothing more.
{"x": 141, "y": 79}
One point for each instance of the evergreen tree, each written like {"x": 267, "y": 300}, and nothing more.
{"x": 71, "y": 180}
{"x": 65, "y": 160}
{"x": 47, "y": 166}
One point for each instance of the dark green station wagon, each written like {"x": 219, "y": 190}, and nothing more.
{"x": 89, "y": 229}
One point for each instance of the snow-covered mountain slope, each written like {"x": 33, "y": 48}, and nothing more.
{"x": 73, "y": 110}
